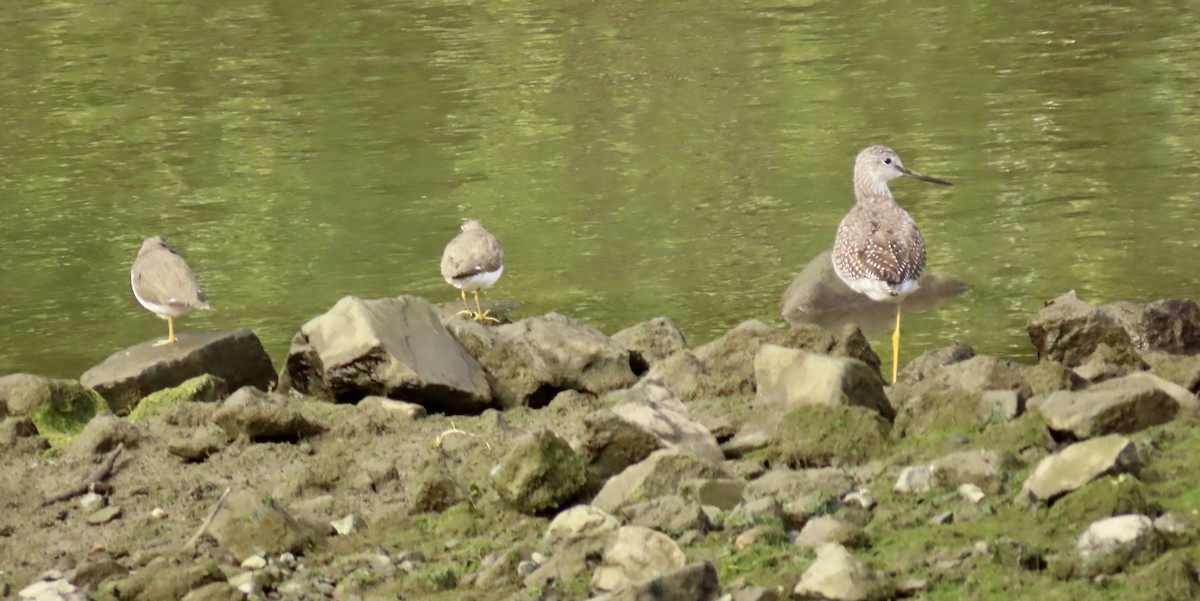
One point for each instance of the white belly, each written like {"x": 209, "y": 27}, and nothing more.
{"x": 160, "y": 310}
{"x": 479, "y": 281}
{"x": 880, "y": 292}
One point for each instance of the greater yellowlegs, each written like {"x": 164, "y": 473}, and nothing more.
{"x": 473, "y": 261}
{"x": 878, "y": 250}
{"x": 164, "y": 284}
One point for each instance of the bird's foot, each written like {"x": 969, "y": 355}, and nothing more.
{"x": 485, "y": 316}
{"x": 166, "y": 341}
{"x": 467, "y": 312}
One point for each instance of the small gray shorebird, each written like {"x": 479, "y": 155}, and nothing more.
{"x": 473, "y": 261}
{"x": 164, "y": 284}
{"x": 878, "y": 250}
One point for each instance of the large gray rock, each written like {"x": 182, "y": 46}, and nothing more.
{"x": 788, "y": 379}
{"x": 530, "y": 361}
{"x": 236, "y": 356}
{"x": 1069, "y": 330}
{"x": 540, "y": 473}
{"x": 263, "y": 417}
{"x": 1169, "y": 325}
{"x": 627, "y": 433}
{"x": 837, "y": 575}
{"x": 1078, "y": 464}
{"x": 392, "y": 347}
{"x": 635, "y": 555}
{"x": 693, "y": 582}
{"x": 682, "y": 373}
{"x": 1111, "y": 543}
{"x": 1117, "y": 406}
{"x": 659, "y": 474}
{"x": 652, "y": 340}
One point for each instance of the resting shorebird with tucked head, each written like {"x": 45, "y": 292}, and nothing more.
{"x": 878, "y": 250}
{"x": 163, "y": 283}
{"x": 473, "y": 261}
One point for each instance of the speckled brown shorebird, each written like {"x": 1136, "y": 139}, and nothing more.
{"x": 473, "y": 261}
{"x": 163, "y": 283}
{"x": 878, "y": 250}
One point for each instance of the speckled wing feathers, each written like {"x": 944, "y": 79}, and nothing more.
{"x": 471, "y": 253}
{"x": 886, "y": 248}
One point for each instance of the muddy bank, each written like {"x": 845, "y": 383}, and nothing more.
{"x": 402, "y": 452}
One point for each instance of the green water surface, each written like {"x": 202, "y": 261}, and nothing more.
{"x": 635, "y": 158}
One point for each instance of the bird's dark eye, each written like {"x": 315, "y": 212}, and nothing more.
{"x": 887, "y": 161}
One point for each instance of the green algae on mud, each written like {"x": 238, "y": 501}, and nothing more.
{"x": 205, "y": 388}
{"x": 824, "y": 435}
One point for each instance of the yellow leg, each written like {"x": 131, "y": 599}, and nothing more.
{"x": 170, "y": 333}
{"x": 481, "y": 315}
{"x": 467, "y": 309}
{"x": 896, "y": 345}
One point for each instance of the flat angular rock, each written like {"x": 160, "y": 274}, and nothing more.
{"x": 693, "y": 582}
{"x": 1169, "y": 325}
{"x": 1119, "y": 406}
{"x": 788, "y": 378}
{"x": 530, "y": 361}
{"x": 729, "y": 360}
{"x": 670, "y": 514}
{"x": 821, "y": 435}
{"x": 392, "y": 347}
{"x": 982, "y": 372}
{"x": 915, "y": 479}
{"x": 399, "y": 409}
{"x": 659, "y": 474}
{"x": 838, "y": 575}
{"x": 635, "y": 555}
{"x": 929, "y": 361}
{"x": 785, "y": 485}
{"x": 652, "y": 340}
{"x": 236, "y": 356}
{"x": 723, "y": 493}
{"x": 682, "y": 373}
{"x": 260, "y": 416}
{"x": 828, "y": 529}
{"x": 983, "y": 468}
{"x": 541, "y": 472}
{"x": 103, "y": 434}
{"x": 580, "y": 521}
{"x": 627, "y": 433}
{"x": 1111, "y": 543}
{"x": 1068, "y": 330}
{"x": 1078, "y": 464}
{"x": 251, "y": 522}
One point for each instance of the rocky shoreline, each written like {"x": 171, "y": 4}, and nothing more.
{"x": 401, "y": 452}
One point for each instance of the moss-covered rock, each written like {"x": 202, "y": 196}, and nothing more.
{"x": 64, "y": 408}
{"x": 201, "y": 389}
{"x": 1102, "y": 498}
{"x": 928, "y": 407}
{"x": 824, "y": 435}
{"x": 1170, "y": 578}
{"x": 540, "y": 473}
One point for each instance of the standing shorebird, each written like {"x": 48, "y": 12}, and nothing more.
{"x": 879, "y": 251}
{"x": 473, "y": 261}
{"x": 163, "y": 283}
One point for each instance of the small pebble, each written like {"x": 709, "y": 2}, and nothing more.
{"x": 946, "y": 517}
{"x": 286, "y": 559}
{"x": 526, "y": 568}
{"x": 347, "y": 525}
{"x": 245, "y": 583}
{"x": 861, "y": 498}
{"x": 971, "y": 492}
{"x": 254, "y": 562}
{"x": 538, "y": 558}
{"x": 158, "y": 513}
{"x": 92, "y": 501}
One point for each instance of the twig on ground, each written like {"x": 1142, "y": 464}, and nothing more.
{"x": 208, "y": 520}
{"x": 441, "y": 438}
{"x": 98, "y": 476}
